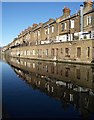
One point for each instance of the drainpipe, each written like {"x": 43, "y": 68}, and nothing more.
{"x": 58, "y": 30}
{"x": 81, "y": 18}
{"x": 48, "y": 33}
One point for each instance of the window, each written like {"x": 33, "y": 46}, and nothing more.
{"x": 56, "y": 52}
{"x": 73, "y": 36}
{"x": 67, "y": 37}
{"x": 90, "y": 34}
{"x": 39, "y": 33}
{"x": 61, "y": 50}
{"x": 78, "y": 73}
{"x": 53, "y": 51}
{"x": 48, "y": 30}
{"x": 67, "y": 71}
{"x": 28, "y": 36}
{"x": 46, "y": 67}
{"x": 63, "y": 26}
{"x": 67, "y": 52}
{"x": 40, "y": 52}
{"x": 52, "y": 69}
{"x": 93, "y": 52}
{"x": 46, "y": 52}
{"x": 33, "y": 52}
{"x": 61, "y": 72}
{"x": 87, "y": 75}
{"x": 72, "y": 23}
{"x": 28, "y": 52}
{"x": 45, "y": 30}
{"x": 25, "y": 52}
{"x": 52, "y": 29}
{"x": 88, "y": 51}
{"x": 79, "y": 52}
{"x": 89, "y": 20}
{"x": 34, "y": 34}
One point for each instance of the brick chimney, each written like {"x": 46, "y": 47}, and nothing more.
{"x": 34, "y": 25}
{"x": 40, "y": 23}
{"x": 66, "y": 11}
{"x": 88, "y": 5}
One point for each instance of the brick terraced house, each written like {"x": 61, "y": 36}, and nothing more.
{"x": 68, "y": 38}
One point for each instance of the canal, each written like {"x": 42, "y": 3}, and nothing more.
{"x": 41, "y": 89}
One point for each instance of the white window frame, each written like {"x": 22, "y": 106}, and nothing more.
{"x": 46, "y": 52}
{"x": 45, "y": 30}
{"x": 48, "y": 30}
{"x": 38, "y": 32}
{"x": 52, "y": 29}
{"x": 34, "y": 34}
{"x": 90, "y": 19}
{"x": 33, "y": 52}
{"x": 65, "y": 26}
{"x": 72, "y": 23}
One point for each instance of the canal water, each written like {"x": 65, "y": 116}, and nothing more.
{"x": 40, "y": 89}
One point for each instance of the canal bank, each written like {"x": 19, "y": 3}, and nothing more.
{"x": 77, "y": 52}
{"x": 68, "y": 38}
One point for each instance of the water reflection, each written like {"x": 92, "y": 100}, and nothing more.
{"x": 69, "y": 83}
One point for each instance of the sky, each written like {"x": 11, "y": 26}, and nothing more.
{"x": 17, "y": 16}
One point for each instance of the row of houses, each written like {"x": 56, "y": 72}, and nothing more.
{"x": 61, "y": 81}
{"x": 69, "y": 38}
{"x": 65, "y": 28}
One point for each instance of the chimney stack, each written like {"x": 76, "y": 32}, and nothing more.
{"x": 66, "y": 11}
{"x": 34, "y": 25}
{"x": 88, "y": 5}
{"x": 81, "y": 18}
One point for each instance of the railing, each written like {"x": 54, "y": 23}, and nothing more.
{"x": 50, "y": 42}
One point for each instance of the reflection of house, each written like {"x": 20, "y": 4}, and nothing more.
{"x": 80, "y": 75}
{"x": 68, "y": 38}
{"x": 64, "y": 82}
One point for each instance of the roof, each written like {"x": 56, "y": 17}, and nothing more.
{"x": 89, "y": 11}
{"x": 50, "y": 21}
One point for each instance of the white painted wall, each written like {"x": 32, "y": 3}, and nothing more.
{"x": 92, "y": 34}
{"x": 45, "y": 42}
{"x": 61, "y": 38}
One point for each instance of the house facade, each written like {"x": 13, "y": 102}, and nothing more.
{"x": 67, "y": 38}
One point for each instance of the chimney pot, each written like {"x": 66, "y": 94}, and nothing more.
{"x": 66, "y": 11}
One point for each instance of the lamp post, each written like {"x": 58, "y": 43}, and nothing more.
{"x": 48, "y": 32}
{"x": 58, "y": 30}
{"x": 69, "y": 29}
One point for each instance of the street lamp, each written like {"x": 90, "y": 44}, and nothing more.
{"x": 48, "y": 32}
